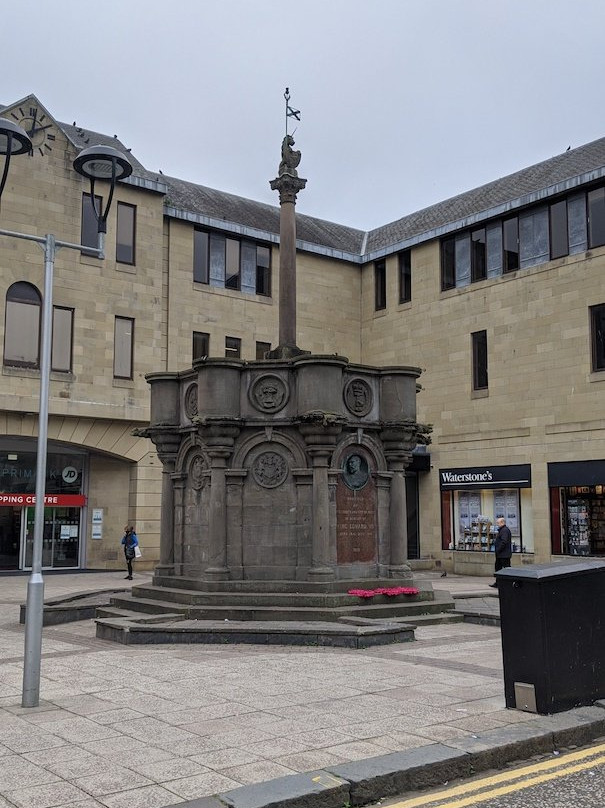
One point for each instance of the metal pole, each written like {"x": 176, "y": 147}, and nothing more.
{"x": 35, "y": 588}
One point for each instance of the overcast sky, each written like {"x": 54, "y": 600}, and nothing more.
{"x": 403, "y": 102}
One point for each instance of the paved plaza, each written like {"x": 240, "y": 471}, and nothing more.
{"x": 146, "y": 727}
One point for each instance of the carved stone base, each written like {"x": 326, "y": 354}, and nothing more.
{"x": 217, "y": 574}
{"x": 164, "y": 569}
{"x": 285, "y": 352}
{"x": 402, "y": 571}
{"x": 321, "y": 574}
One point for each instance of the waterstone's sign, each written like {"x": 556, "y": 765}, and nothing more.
{"x": 486, "y": 477}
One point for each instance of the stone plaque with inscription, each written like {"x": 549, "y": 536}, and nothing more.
{"x": 356, "y": 530}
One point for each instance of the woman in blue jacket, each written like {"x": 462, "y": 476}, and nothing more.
{"x": 130, "y": 541}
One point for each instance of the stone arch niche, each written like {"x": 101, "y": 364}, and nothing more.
{"x": 356, "y": 510}
{"x": 269, "y": 510}
{"x": 191, "y": 481}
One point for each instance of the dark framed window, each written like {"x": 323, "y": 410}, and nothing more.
{"x": 233, "y": 347}
{"x": 62, "y": 341}
{"x": 89, "y": 232}
{"x": 596, "y": 217}
{"x": 597, "y": 336}
{"x": 123, "y": 347}
{"x": 405, "y": 276}
{"x": 380, "y": 285}
{"x": 263, "y": 271}
{"x": 479, "y": 356}
{"x": 478, "y": 255}
{"x": 126, "y": 233}
{"x": 22, "y": 325}
{"x": 232, "y": 264}
{"x": 200, "y": 257}
{"x": 262, "y": 348}
{"x": 510, "y": 244}
{"x": 559, "y": 239}
{"x": 448, "y": 264}
{"x": 201, "y": 344}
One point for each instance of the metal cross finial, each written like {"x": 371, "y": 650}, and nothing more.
{"x": 290, "y": 112}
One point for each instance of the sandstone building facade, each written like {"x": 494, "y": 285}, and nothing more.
{"x": 496, "y": 294}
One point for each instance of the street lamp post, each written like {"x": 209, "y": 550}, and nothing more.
{"x": 94, "y": 163}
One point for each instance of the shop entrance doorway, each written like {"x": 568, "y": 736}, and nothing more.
{"x": 61, "y": 538}
{"x": 10, "y": 538}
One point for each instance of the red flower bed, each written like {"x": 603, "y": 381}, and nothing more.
{"x": 390, "y": 592}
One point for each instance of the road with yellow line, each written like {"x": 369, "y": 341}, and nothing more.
{"x": 570, "y": 780}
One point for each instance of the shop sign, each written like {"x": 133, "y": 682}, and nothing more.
{"x": 481, "y": 477}
{"x": 8, "y": 499}
{"x": 577, "y": 473}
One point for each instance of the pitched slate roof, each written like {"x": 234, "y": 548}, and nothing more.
{"x": 557, "y": 169}
{"x": 236, "y": 209}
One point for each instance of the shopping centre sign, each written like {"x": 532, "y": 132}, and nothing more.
{"x": 50, "y": 500}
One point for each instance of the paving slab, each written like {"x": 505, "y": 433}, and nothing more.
{"x": 198, "y": 726}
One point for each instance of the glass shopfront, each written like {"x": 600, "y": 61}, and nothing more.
{"x": 577, "y": 508}
{"x": 64, "y": 501}
{"x": 473, "y": 499}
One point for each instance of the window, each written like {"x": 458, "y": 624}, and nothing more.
{"x": 380, "y": 285}
{"x": 231, "y": 264}
{"x": 233, "y": 347}
{"x": 263, "y": 271}
{"x": 22, "y": 326}
{"x": 448, "y": 264}
{"x": 200, "y": 257}
{"x": 61, "y": 351}
{"x": 478, "y": 255}
{"x": 596, "y": 217}
{"x": 559, "y": 240}
{"x": 479, "y": 343}
{"x": 232, "y": 275}
{"x": 89, "y": 235}
{"x": 510, "y": 244}
{"x": 405, "y": 276}
{"x": 201, "y": 344}
{"x": 262, "y": 348}
{"x": 597, "y": 333}
{"x": 123, "y": 347}
{"x": 125, "y": 237}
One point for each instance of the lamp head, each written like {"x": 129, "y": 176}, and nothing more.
{"x": 98, "y": 162}
{"x": 13, "y": 139}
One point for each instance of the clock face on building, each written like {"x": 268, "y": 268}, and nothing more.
{"x": 39, "y": 128}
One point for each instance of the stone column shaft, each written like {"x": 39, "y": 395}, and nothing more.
{"x": 287, "y": 274}
{"x": 166, "y": 565}
{"x": 398, "y": 521}
{"x": 217, "y": 517}
{"x": 320, "y": 551}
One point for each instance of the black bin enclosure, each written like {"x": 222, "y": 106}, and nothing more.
{"x": 552, "y": 619}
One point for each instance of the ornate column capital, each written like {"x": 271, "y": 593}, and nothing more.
{"x": 167, "y": 442}
{"x": 288, "y": 187}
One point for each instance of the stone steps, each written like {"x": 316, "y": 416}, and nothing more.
{"x": 247, "y": 609}
{"x": 273, "y": 632}
{"x": 260, "y": 598}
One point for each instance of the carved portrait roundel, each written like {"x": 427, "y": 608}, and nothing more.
{"x": 358, "y": 397}
{"x": 270, "y": 469}
{"x": 269, "y": 393}
{"x": 191, "y": 401}
{"x": 196, "y": 472}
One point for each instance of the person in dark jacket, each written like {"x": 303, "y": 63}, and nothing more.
{"x": 503, "y": 546}
{"x": 130, "y": 541}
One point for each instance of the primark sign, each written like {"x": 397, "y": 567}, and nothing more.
{"x": 485, "y": 477}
